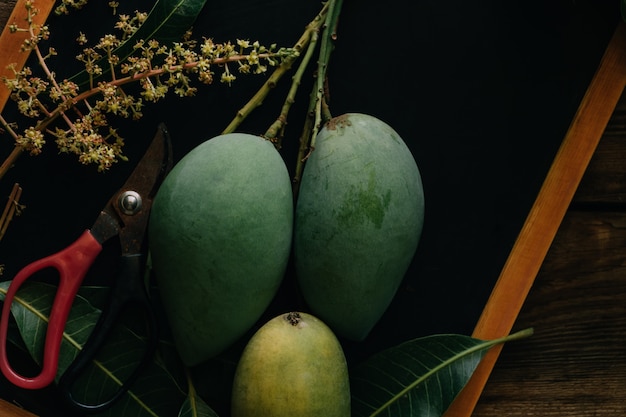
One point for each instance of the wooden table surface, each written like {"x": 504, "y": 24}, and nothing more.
{"x": 575, "y": 363}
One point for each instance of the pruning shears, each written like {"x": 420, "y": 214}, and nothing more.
{"x": 125, "y": 216}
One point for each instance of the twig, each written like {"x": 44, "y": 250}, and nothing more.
{"x": 10, "y": 209}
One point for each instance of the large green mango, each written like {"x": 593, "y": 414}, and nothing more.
{"x": 220, "y": 237}
{"x": 359, "y": 217}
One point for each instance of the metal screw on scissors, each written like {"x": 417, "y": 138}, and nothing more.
{"x": 125, "y": 216}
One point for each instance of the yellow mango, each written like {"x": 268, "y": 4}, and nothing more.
{"x": 293, "y": 366}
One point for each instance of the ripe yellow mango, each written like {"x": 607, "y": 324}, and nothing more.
{"x": 293, "y": 366}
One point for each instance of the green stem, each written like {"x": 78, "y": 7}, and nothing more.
{"x": 311, "y": 29}
{"x": 326, "y": 48}
{"x": 191, "y": 389}
{"x": 318, "y": 112}
{"x": 273, "y": 131}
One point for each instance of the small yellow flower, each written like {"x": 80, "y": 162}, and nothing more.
{"x": 81, "y": 39}
{"x": 227, "y": 78}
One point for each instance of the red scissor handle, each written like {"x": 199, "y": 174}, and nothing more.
{"x": 72, "y": 263}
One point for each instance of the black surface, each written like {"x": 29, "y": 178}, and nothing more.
{"x": 482, "y": 92}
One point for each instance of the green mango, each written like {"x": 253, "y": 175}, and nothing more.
{"x": 220, "y": 237}
{"x": 293, "y": 366}
{"x": 358, "y": 222}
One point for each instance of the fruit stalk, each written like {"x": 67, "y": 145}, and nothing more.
{"x": 318, "y": 112}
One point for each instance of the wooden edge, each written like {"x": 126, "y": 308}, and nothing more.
{"x": 546, "y": 214}
{"x": 8, "y": 409}
{"x": 10, "y": 53}
{"x": 10, "y": 43}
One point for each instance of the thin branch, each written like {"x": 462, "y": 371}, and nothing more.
{"x": 10, "y": 209}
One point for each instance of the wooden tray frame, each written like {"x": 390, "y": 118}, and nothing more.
{"x": 546, "y": 214}
{"x": 538, "y": 231}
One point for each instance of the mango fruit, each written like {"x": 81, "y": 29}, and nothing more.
{"x": 220, "y": 237}
{"x": 358, "y": 221}
{"x": 293, "y": 366}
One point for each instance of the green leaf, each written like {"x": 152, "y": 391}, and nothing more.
{"x": 420, "y": 377}
{"x": 156, "y": 393}
{"x": 167, "y": 22}
{"x": 194, "y": 406}
{"x": 31, "y": 309}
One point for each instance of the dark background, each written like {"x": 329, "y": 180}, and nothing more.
{"x": 482, "y": 93}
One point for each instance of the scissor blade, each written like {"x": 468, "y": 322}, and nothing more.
{"x": 143, "y": 184}
{"x": 153, "y": 166}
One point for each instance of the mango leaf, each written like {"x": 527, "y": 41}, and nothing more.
{"x": 195, "y": 406}
{"x": 418, "y": 378}
{"x": 167, "y": 22}
{"x": 31, "y": 310}
{"x": 156, "y": 393}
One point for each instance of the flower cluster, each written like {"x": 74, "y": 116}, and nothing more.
{"x": 157, "y": 68}
{"x": 86, "y": 140}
